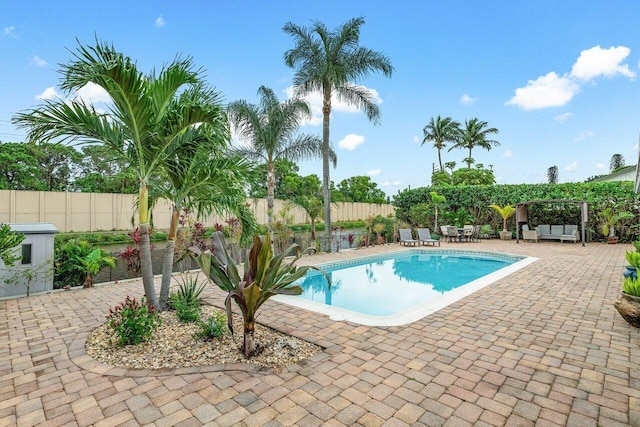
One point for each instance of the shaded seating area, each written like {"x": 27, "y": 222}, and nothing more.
{"x": 406, "y": 238}
{"x": 424, "y": 236}
{"x": 561, "y": 232}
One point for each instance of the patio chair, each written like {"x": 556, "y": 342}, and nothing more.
{"x": 453, "y": 234}
{"x": 406, "y": 237}
{"x": 424, "y": 236}
{"x": 529, "y": 234}
{"x": 467, "y": 233}
{"x": 444, "y": 232}
{"x": 476, "y": 233}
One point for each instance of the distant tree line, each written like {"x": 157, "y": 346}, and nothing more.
{"x": 58, "y": 167}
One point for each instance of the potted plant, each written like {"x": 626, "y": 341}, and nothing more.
{"x": 633, "y": 258}
{"x": 628, "y": 303}
{"x": 505, "y": 212}
{"x": 609, "y": 220}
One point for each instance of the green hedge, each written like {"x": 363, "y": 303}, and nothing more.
{"x": 476, "y": 200}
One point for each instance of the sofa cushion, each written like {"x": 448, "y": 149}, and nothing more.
{"x": 557, "y": 230}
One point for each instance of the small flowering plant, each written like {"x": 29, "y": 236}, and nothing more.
{"x": 133, "y": 321}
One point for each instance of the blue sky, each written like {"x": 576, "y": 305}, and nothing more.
{"x": 559, "y": 80}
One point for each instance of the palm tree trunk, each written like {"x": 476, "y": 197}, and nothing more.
{"x": 440, "y": 159}
{"x": 145, "y": 250}
{"x": 249, "y": 338}
{"x": 326, "y": 190}
{"x": 167, "y": 262}
{"x": 469, "y": 160}
{"x": 271, "y": 184}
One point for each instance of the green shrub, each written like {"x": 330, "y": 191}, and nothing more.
{"x": 636, "y": 244}
{"x": 633, "y": 258}
{"x": 186, "y": 300}
{"x": 631, "y": 286}
{"x": 133, "y": 321}
{"x": 214, "y": 327}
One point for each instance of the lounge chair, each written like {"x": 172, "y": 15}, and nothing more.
{"x": 406, "y": 237}
{"x": 424, "y": 236}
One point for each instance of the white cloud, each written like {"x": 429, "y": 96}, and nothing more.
{"x": 416, "y": 139}
{"x": 351, "y": 142}
{"x": 11, "y": 32}
{"x": 600, "y": 166}
{"x": 552, "y": 90}
{"x": 91, "y": 93}
{"x": 374, "y": 172}
{"x": 396, "y": 183}
{"x": 467, "y": 100}
{"x": 597, "y": 62}
{"x": 48, "y": 94}
{"x": 507, "y": 154}
{"x": 315, "y": 104}
{"x": 583, "y": 135}
{"x": 561, "y": 118}
{"x": 546, "y": 91}
{"x": 159, "y": 21}
{"x": 37, "y": 61}
{"x": 572, "y": 167}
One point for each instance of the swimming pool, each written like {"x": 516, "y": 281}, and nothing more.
{"x": 403, "y": 286}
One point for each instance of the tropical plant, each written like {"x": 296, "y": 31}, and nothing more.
{"x": 330, "y": 62}
{"x": 313, "y": 208}
{"x": 610, "y": 219}
{"x": 91, "y": 263}
{"x": 264, "y": 275}
{"x": 77, "y": 261}
{"x": 441, "y": 131}
{"x": 475, "y": 134}
{"x": 282, "y": 232}
{"x": 9, "y": 241}
{"x": 186, "y": 300}
{"x": 633, "y": 258}
{"x": 459, "y": 217}
{"x": 505, "y": 212}
{"x": 437, "y": 200}
{"x": 203, "y": 176}
{"x": 631, "y": 286}
{"x": 133, "y": 321}
{"x": 270, "y": 129}
{"x": 145, "y": 122}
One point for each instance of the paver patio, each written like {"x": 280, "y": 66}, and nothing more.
{"x": 543, "y": 346}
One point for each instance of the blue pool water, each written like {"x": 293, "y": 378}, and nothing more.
{"x": 387, "y": 284}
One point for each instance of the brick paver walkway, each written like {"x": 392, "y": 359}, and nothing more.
{"x": 543, "y": 346}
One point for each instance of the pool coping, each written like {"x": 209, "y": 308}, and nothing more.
{"x": 417, "y": 312}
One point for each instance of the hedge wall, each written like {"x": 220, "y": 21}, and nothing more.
{"x": 619, "y": 196}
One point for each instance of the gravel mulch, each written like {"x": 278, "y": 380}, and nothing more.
{"x": 174, "y": 345}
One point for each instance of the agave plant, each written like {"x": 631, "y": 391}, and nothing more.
{"x": 263, "y": 277}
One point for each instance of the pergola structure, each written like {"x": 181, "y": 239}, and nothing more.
{"x": 522, "y": 214}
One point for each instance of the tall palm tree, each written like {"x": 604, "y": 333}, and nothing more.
{"x": 441, "y": 131}
{"x": 330, "y": 62}
{"x": 204, "y": 178}
{"x": 271, "y": 131}
{"x": 146, "y": 115}
{"x": 475, "y": 134}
